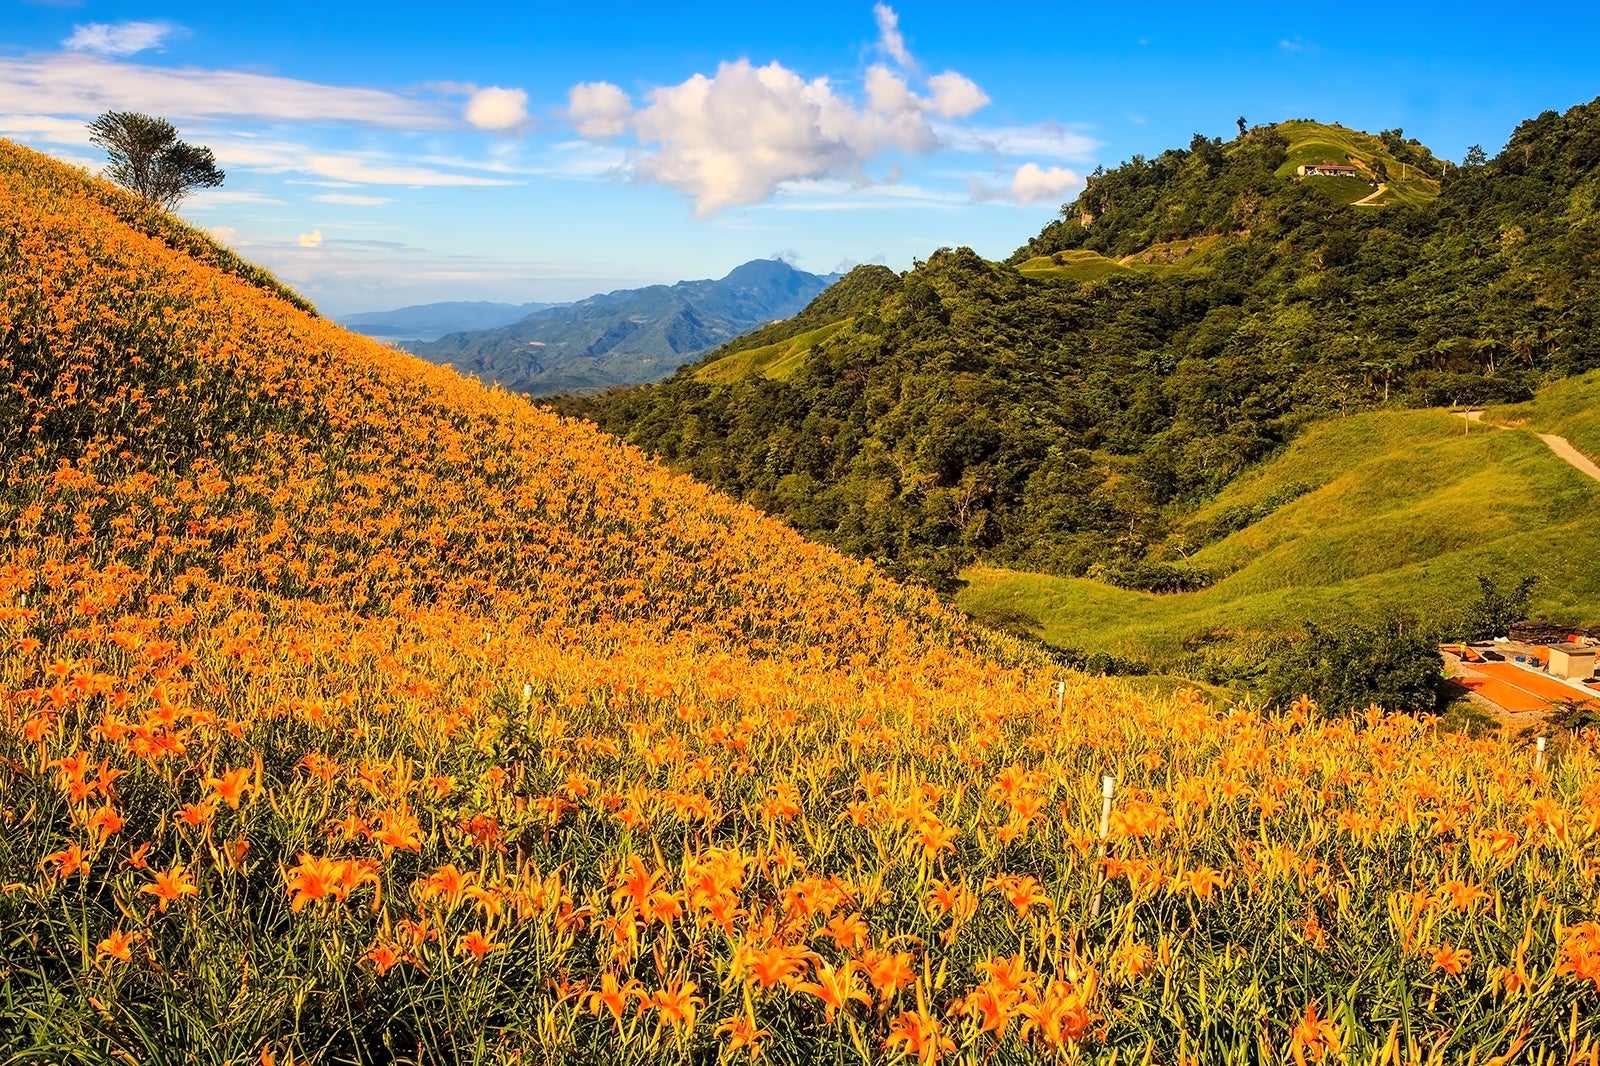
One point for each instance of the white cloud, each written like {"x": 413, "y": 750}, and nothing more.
{"x": 1030, "y": 184}
{"x": 738, "y": 135}
{"x": 81, "y": 84}
{"x": 352, "y": 199}
{"x": 956, "y": 95}
{"x": 890, "y": 38}
{"x": 732, "y": 138}
{"x": 1033, "y": 183}
{"x": 497, "y": 109}
{"x": 45, "y": 127}
{"x": 598, "y": 109}
{"x": 119, "y": 39}
{"x": 226, "y": 235}
{"x": 312, "y": 239}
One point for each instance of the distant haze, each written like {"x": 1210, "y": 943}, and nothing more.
{"x": 426, "y": 322}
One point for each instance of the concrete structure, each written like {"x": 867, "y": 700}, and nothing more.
{"x": 1571, "y": 661}
{"x": 1328, "y": 170}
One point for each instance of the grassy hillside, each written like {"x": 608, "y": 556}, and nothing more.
{"x": 353, "y": 713}
{"x": 1362, "y": 515}
{"x": 1169, "y": 258}
{"x": 777, "y": 361}
{"x": 1409, "y": 175}
{"x": 1569, "y": 409}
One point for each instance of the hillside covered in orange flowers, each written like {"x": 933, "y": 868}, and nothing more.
{"x": 352, "y": 712}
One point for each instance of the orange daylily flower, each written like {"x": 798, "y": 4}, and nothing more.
{"x": 478, "y": 945}
{"x": 171, "y": 886}
{"x": 118, "y": 945}
{"x": 230, "y": 787}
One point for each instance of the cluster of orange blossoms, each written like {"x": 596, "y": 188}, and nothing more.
{"x": 345, "y": 702}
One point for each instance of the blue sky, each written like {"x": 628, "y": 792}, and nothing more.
{"x": 384, "y": 154}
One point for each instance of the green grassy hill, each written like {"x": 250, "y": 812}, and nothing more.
{"x": 1384, "y": 510}
{"x": 1385, "y": 160}
{"x": 778, "y": 360}
{"x": 1569, "y": 409}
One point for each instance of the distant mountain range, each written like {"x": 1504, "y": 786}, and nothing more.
{"x": 426, "y": 322}
{"x": 629, "y": 336}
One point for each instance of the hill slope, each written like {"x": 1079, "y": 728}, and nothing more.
{"x": 351, "y": 712}
{"x": 628, "y": 336}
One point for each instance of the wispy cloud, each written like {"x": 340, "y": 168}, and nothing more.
{"x": 119, "y": 38}
{"x": 1046, "y": 141}
{"x": 343, "y": 169}
{"x": 890, "y": 39}
{"x": 77, "y": 83}
{"x": 218, "y": 197}
{"x": 352, "y": 199}
{"x": 834, "y": 195}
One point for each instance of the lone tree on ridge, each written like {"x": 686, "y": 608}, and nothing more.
{"x": 147, "y": 159}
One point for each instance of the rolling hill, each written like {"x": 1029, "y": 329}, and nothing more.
{"x": 628, "y": 336}
{"x": 353, "y": 712}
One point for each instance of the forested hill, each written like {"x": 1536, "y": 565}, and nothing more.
{"x": 1182, "y": 319}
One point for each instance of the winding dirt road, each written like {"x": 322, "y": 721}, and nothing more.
{"x": 1371, "y": 199}
{"x": 1560, "y": 445}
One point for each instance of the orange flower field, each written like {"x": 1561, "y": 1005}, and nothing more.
{"x": 353, "y": 712}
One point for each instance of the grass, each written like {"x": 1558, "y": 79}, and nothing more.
{"x": 1078, "y": 265}
{"x": 1569, "y": 409}
{"x": 778, "y": 361}
{"x": 1190, "y": 255}
{"x": 1342, "y": 190}
{"x": 1403, "y": 511}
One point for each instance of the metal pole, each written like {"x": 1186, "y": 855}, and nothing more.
{"x": 1108, "y": 788}
{"x": 1061, "y": 694}
{"x": 1538, "y": 754}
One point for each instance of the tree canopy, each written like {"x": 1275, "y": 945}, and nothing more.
{"x": 147, "y": 159}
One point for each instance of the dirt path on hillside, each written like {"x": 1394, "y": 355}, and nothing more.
{"x": 1560, "y": 445}
{"x": 1367, "y": 200}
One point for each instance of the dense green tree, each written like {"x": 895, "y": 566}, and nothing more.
{"x": 1349, "y": 666}
{"x": 1497, "y": 608}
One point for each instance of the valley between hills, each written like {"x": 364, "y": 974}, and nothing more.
{"x": 994, "y": 662}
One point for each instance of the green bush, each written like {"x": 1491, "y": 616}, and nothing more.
{"x": 1350, "y": 666}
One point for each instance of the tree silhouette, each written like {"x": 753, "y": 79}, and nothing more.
{"x": 147, "y": 159}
